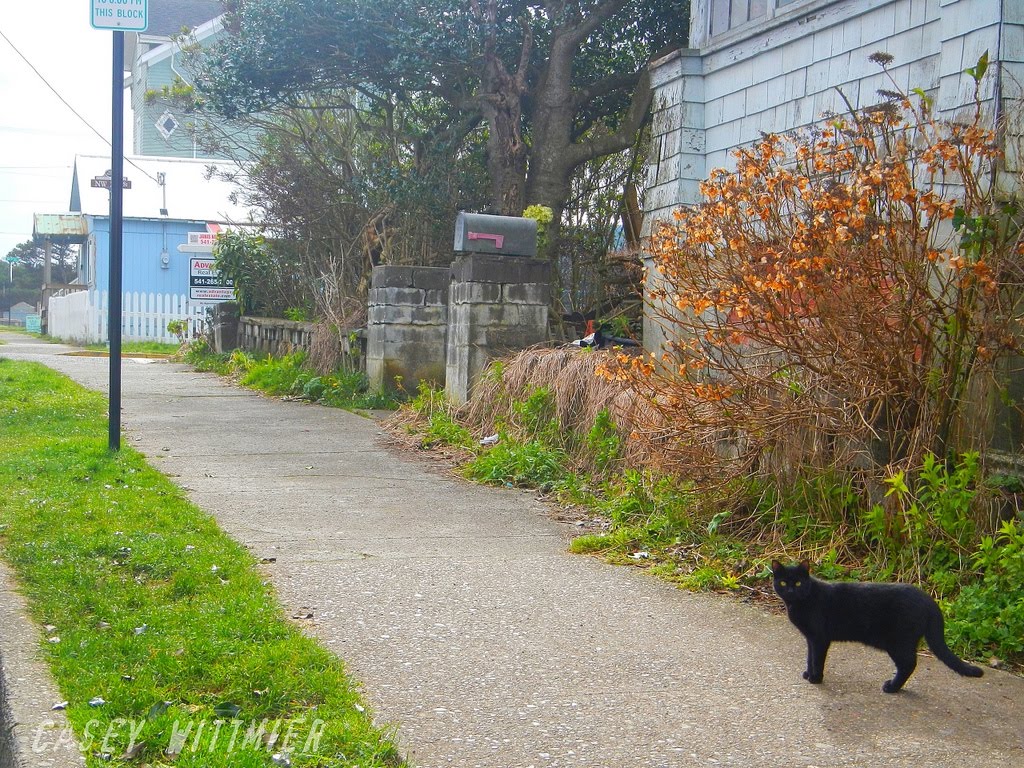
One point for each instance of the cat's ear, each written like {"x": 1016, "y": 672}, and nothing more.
{"x": 776, "y": 566}
{"x": 806, "y": 565}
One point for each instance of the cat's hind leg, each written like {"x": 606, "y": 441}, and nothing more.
{"x": 906, "y": 662}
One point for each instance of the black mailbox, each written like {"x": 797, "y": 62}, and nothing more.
{"x": 505, "y": 235}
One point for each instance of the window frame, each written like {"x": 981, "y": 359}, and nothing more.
{"x": 777, "y": 12}
{"x": 772, "y": 9}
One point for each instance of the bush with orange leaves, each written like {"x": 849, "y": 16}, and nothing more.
{"x": 839, "y": 301}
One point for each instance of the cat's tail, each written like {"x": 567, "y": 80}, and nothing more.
{"x": 935, "y": 636}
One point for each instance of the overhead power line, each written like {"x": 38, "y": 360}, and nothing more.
{"x": 67, "y": 104}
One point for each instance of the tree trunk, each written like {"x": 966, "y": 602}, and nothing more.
{"x": 506, "y": 150}
{"x": 555, "y": 155}
{"x": 501, "y": 104}
{"x": 554, "y": 109}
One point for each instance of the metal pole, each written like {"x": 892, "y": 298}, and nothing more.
{"x": 116, "y": 211}
{"x": 47, "y": 279}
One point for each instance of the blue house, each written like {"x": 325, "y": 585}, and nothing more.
{"x": 172, "y": 211}
{"x": 19, "y": 312}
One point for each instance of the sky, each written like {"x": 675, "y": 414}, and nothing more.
{"x": 40, "y": 136}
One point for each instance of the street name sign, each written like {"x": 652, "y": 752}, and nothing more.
{"x": 104, "y": 182}
{"x": 120, "y": 15}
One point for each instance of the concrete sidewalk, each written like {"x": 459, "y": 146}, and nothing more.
{"x": 487, "y": 645}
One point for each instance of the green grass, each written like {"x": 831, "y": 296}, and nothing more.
{"x": 275, "y": 376}
{"x": 530, "y": 465}
{"x": 288, "y": 375}
{"x": 20, "y": 330}
{"x": 138, "y": 348}
{"x": 158, "y": 612}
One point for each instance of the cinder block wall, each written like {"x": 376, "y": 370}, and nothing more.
{"x": 406, "y": 328}
{"x": 498, "y": 304}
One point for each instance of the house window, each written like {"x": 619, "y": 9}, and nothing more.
{"x": 166, "y": 125}
{"x": 730, "y": 14}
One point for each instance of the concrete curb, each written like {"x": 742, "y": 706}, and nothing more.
{"x": 32, "y": 735}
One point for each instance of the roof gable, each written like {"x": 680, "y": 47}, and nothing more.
{"x": 167, "y": 17}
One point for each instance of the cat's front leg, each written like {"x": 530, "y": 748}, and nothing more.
{"x": 810, "y": 660}
{"x": 816, "y": 652}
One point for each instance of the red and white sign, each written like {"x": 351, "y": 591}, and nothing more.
{"x": 205, "y": 282}
{"x": 202, "y": 238}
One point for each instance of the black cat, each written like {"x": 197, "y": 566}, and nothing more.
{"x": 892, "y": 617}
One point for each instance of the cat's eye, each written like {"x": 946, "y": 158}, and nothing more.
{"x": 796, "y": 583}
{"x": 782, "y": 583}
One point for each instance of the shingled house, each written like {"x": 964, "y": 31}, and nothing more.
{"x": 774, "y": 66}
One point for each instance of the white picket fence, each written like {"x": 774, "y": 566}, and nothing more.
{"x": 82, "y": 316}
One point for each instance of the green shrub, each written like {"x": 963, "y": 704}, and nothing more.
{"x": 640, "y": 497}
{"x": 442, "y": 429}
{"x": 987, "y": 617}
{"x": 179, "y": 328}
{"x": 351, "y": 389}
{"x": 531, "y": 464}
{"x": 808, "y": 509}
{"x": 287, "y": 376}
{"x": 927, "y": 525}
{"x": 200, "y": 355}
{"x": 603, "y": 442}
{"x": 441, "y": 426}
{"x": 240, "y": 360}
{"x": 312, "y": 388}
{"x": 535, "y": 416}
{"x": 275, "y": 375}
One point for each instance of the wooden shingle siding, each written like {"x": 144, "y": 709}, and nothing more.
{"x": 783, "y": 73}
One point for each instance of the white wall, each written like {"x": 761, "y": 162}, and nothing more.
{"x": 68, "y": 318}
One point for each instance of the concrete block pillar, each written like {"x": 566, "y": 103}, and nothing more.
{"x": 497, "y": 305}
{"x": 226, "y": 316}
{"x": 406, "y": 327}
